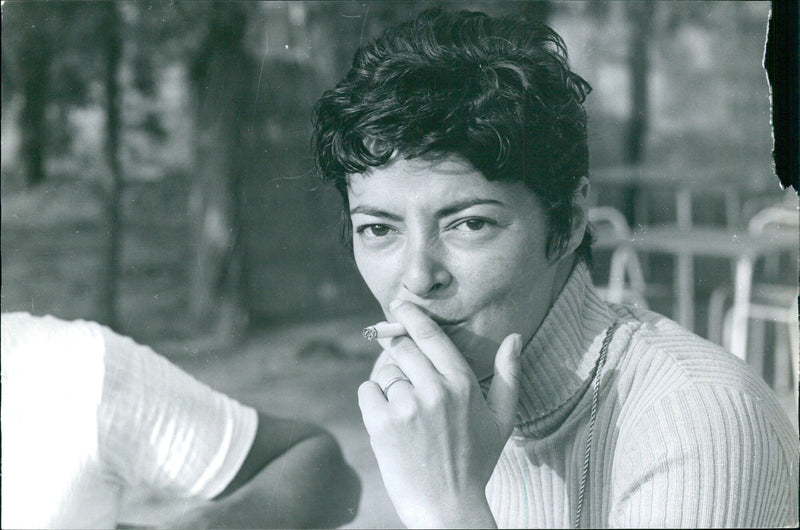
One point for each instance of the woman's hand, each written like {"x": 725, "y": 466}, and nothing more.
{"x": 436, "y": 438}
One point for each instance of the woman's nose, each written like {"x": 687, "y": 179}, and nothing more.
{"x": 424, "y": 272}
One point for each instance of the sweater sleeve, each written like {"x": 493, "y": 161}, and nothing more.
{"x": 162, "y": 429}
{"x": 706, "y": 456}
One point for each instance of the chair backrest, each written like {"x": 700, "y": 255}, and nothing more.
{"x": 773, "y": 218}
{"x": 611, "y": 227}
{"x": 769, "y": 222}
{"x": 611, "y": 217}
{"x": 771, "y": 297}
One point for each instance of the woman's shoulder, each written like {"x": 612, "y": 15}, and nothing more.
{"x": 656, "y": 343}
{"x": 658, "y": 363}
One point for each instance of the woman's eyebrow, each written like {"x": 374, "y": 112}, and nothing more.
{"x": 463, "y": 205}
{"x": 375, "y": 212}
{"x": 450, "y": 209}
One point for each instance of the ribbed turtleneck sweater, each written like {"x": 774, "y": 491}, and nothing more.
{"x": 685, "y": 434}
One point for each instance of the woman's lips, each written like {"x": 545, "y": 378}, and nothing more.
{"x": 451, "y": 327}
{"x": 442, "y": 322}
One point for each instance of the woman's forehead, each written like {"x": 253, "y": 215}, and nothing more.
{"x": 433, "y": 186}
{"x": 449, "y": 173}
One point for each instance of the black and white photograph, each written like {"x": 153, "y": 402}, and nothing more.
{"x": 399, "y": 264}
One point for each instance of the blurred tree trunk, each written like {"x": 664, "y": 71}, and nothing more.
{"x": 113, "y": 49}
{"x": 36, "y": 54}
{"x": 640, "y": 16}
{"x": 222, "y": 75}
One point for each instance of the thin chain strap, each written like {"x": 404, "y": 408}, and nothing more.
{"x": 601, "y": 361}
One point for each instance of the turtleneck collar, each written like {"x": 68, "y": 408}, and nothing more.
{"x": 559, "y": 361}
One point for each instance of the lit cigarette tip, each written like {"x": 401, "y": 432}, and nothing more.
{"x": 370, "y": 333}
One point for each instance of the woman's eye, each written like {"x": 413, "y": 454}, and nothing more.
{"x": 373, "y": 230}
{"x": 472, "y": 225}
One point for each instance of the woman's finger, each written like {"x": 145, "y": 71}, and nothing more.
{"x": 503, "y": 395}
{"x": 412, "y": 361}
{"x": 429, "y": 338}
{"x": 372, "y": 403}
{"x": 391, "y": 378}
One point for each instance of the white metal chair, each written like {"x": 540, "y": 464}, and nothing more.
{"x": 769, "y": 302}
{"x": 625, "y": 279}
{"x": 760, "y": 224}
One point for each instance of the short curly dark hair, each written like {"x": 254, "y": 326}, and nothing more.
{"x": 496, "y": 91}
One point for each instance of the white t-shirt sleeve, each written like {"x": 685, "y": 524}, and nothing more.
{"x": 52, "y": 374}
{"x": 160, "y": 428}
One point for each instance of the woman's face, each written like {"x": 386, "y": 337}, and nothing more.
{"x": 469, "y": 252}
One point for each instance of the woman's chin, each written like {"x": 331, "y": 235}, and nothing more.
{"x": 478, "y": 351}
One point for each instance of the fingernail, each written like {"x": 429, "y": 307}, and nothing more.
{"x": 395, "y": 304}
{"x": 518, "y": 344}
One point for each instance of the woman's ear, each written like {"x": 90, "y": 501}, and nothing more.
{"x": 580, "y": 215}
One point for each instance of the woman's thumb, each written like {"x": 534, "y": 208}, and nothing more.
{"x": 504, "y": 391}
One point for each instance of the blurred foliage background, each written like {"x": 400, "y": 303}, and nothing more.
{"x": 156, "y": 173}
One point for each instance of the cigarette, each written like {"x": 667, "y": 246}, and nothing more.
{"x": 383, "y": 330}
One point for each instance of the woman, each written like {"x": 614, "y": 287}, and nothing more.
{"x": 517, "y": 397}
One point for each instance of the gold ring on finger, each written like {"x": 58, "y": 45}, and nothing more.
{"x": 392, "y": 381}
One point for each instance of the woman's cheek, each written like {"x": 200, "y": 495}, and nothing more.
{"x": 483, "y": 273}
{"x": 377, "y": 274}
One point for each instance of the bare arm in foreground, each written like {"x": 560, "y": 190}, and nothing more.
{"x": 293, "y": 477}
